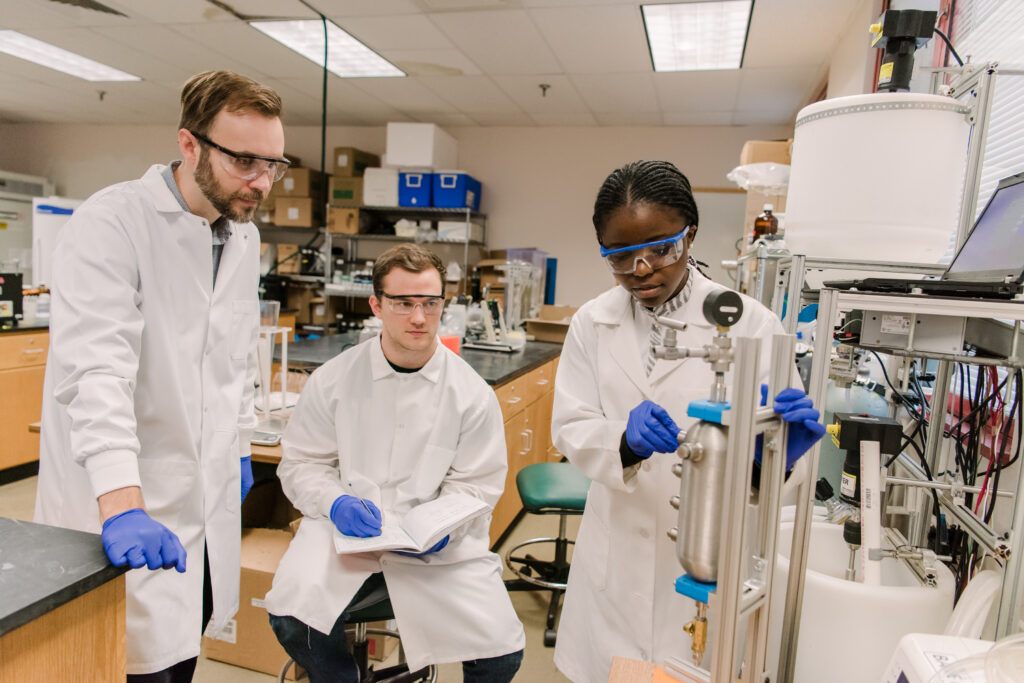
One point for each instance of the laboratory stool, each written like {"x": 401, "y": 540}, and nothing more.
{"x": 547, "y": 488}
{"x": 373, "y": 604}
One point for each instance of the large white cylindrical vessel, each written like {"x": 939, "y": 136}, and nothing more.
{"x": 877, "y": 177}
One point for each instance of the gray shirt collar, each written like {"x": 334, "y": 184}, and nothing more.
{"x": 221, "y": 227}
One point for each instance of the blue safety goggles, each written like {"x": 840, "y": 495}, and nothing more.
{"x": 655, "y": 255}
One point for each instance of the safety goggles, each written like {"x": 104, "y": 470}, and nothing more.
{"x": 655, "y": 255}
{"x": 405, "y": 305}
{"x": 246, "y": 166}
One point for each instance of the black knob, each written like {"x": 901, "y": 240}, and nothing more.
{"x": 723, "y": 308}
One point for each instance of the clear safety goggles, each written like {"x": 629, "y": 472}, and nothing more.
{"x": 405, "y": 305}
{"x": 246, "y": 166}
{"x": 655, "y": 255}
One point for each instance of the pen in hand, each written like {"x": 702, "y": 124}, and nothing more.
{"x": 365, "y": 506}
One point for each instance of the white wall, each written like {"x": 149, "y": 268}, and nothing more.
{"x": 539, "y": 183}
{"x": 851, "y": 71}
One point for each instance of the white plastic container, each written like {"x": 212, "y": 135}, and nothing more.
{"x": 877, "y": 177}
{"x": 849, "y": 630}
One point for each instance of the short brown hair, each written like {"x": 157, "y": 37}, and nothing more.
{"x": 205, "y": 95}
{"x": 410, "y": 257}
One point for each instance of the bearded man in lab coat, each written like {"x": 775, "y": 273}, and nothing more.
{"x": 397, "y": 421}
{"x": 148, "y": 396}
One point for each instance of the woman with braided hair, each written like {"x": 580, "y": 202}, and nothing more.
{"x": 617, "y": 407}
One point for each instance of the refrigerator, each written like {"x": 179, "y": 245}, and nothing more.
{"x": 49, "y": 214}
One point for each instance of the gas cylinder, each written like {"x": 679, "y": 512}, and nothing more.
{"x": 702, "y": 480}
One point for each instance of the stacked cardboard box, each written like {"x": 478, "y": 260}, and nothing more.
{"x": 298, "y": 199}
{"x": 346, "y": 184}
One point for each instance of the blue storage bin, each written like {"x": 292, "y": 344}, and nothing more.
{"x": 456, "y": 190}
{"x": 414, "y": 189}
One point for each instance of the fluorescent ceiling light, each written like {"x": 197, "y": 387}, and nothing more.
{"x": 21, "y": 46}
{"x": 697, "y": 36}
{"x": 347, "y": 57}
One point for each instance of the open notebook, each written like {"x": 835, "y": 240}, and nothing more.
{"x": 419, "y": 529}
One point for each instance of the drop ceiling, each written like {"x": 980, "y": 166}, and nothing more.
{"x": 470, "y": 62}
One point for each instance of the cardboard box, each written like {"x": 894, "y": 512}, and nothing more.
{"x": 489, "y": 273}
{"x": 249, "y": 641}
{"x": 343, "y": 221}
{"x": 758, "y": 151}
{"x": 380, "y": 187}
{"x": 299, "y": 182}
{"x": 298, "y": 212}
{"x": 379, "y": 648}
{"x": 422, "y": 145}
{"x": 414, "y": 188}
{"x": 552, "y": 325}
{"x": 456, "y": 190}
{"x": 350, "y": 162}
{"x": 345, "y": 191}
{"x": 287, "y": 258}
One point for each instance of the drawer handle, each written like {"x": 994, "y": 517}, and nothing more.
{"x": 528, "y": 436}
{"x": 542, "y": 382}
{"x": 514, "y": 400}
{"x": 32, "y": 350}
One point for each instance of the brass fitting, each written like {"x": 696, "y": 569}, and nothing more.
{"x": 698, "y": 631}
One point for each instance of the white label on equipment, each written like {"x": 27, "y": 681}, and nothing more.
{"x": 293, "y": 213}
{"x": 6, "y": 309}
{"x": 229, "y": 634}
{"x": 258, "y": 602}
{"x": 895, "y": 323}
{"x": 289, "y": 184}
{"x": 342, "y": 161}
{"x": 848, "y": 486}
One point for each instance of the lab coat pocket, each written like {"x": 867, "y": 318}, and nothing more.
{"x": 243, "y": 314}
{"x": 165, "y": 487}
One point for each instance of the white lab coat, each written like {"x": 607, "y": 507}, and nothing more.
{"x": 621, "y": 599}
{"x": 149, "y": 383}
{"x": 398, "y": 439}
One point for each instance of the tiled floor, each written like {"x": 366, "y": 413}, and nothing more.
{"x": 17, "y": 500}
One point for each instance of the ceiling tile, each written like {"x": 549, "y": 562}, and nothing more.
{"x": 818, "y": 26}
{"x": 431, "y": 62}
{"x": 563, "y": 118}
{"x": 366, "y": 8}
{"x": 561, "y": 95}
{"x": 596, "y": 39}
{"x": 681, "y": 91}
{"x": 617, "y": 92}
{"x": 777, "y": 88}
{"x": 628, "y": 118}
{"x": 410, "y": 32}
{"x": 472, "y": 95}
{"x": 406, "y": 94}
{"x": 504, "y": 42}
{"x": 508, "y": 118}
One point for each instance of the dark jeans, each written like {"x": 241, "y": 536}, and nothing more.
{"x": 326, "y": 658}
{"x": 182, "y": 672}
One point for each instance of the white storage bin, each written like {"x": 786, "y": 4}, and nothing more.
{"x": 421, "y": 145}
{"x": 380, "y": 187}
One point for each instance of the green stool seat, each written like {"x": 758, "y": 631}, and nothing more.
{"x": 552, "y": 486}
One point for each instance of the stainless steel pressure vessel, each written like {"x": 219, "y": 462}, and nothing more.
{"x": 700, "y": 499}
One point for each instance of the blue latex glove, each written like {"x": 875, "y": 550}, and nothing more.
{"x": 650, "y": 429}
{"x": 433, "y": 549}
{"x": 136, "y": 539}
{"x": 805, "y": 428}
{"x": 246, "y": 476}
{"x": 353, "y": 519}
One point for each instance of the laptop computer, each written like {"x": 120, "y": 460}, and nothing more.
{"x": 988, "y": 265}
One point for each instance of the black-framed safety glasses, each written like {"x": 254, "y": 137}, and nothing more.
{"x": 246, "y": 166}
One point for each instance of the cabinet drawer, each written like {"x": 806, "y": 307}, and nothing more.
{"x": 539, "y": 382}
{"x": 23, "y": 350}
{"x": 512, "y": 397}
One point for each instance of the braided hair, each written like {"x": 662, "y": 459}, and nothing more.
{"x": 645, "y": 182}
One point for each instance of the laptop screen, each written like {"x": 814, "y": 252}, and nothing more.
{"x": 995, "y": 247}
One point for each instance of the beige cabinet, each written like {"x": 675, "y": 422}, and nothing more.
{"x": 22, "y": 365}
{"x": 526, "y": 407}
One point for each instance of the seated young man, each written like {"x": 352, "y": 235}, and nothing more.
{"x": 392, "y": 423}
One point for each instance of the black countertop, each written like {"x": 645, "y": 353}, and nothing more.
{"x": 43, "y": 567}
{"x": 27, "y": 327}
{"x": 494, "y": 366}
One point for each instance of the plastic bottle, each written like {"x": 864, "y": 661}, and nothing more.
{"x": 766, "y": 224}
{"x": 43, "y": 305}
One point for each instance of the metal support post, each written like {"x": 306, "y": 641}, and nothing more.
{"x": 1009, "y": 606}
{"x": 934, "y": 441}
{"x": 981, "y": 83}
{"x": 797, "y": 273}
{"x": 805, "y": 490}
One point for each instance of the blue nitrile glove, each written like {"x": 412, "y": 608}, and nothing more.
{"x": 246, "y": 476}
{"x": 136, "y": 539}
{"x": 805, "y": 429}
{"x": 649, "y": 429}
{"x": 353, "y": 519}
{"x": 433, "y": 549}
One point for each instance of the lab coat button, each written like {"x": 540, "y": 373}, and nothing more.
{"x": 644, "y": 533}
{"x": 646, "y": 467}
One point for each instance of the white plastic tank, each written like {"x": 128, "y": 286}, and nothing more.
{"x": 877, "y": 177}
{"x": 849, "y": 630}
